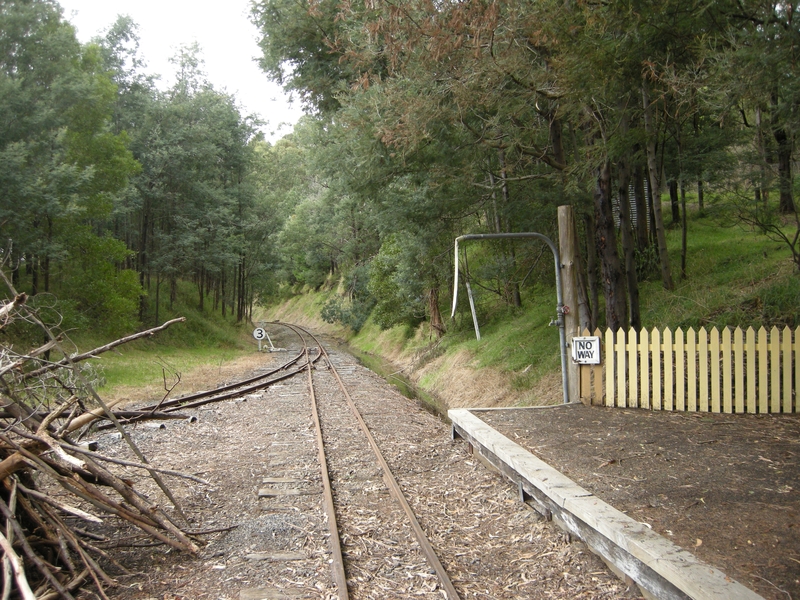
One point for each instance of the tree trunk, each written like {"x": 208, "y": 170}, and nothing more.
{"x": 628, "y": 244}
{"x": 591, "y": 272}
{"x": 496, "y": 213}
{"x": 786, "y": 202}
{"x": 640, "y": 199}
{"x": 762, "y": 187}
{"x": 173, "y": 290}
{"x": 512, "y": 286}
{"x": 142, "y": 256}
{"x": 700, "y": 198}
{"x": 557, "y": 139}
{"x": 46, "y": 259}
{"x": 35, "y": 276}
{"x": 46, "y": 272}
{"x": 674, "y": 201}
{"x": 222, "y": 291}
{"x": 437, "y": 324}
{"x": 606, "y": 240}
{"x": 201, "y": 280}
{"x": 652, "y": 168}
{"x": 241, "y": 309}
{"x": 684, "y": 233}
{"x": 158, "y": 295}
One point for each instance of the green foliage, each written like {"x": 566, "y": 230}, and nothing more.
{"x": 106, "y": 297}
{"x": 732, "y": 271}
{"x": 62, "y": 168}
{"x": 297, "y": 43}
{"x": 397, "y": 289}
{"x": 777, "y": 304}
{"x": 353, "y": 310}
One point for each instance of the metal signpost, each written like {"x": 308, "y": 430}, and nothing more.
{"x": 260, "y": 333}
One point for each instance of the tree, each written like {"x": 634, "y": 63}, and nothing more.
{"x": 299, "y": 49}
{"x": 62, "y": 165}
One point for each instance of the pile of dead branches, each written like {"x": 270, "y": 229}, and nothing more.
{"x": 60, "y": 500}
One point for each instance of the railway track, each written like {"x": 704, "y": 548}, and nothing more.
{"x": 343, "y": 435}
{"x": 364, "y": 505}
{"x": 302, "y": 506}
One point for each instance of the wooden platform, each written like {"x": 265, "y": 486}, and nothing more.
{"x": 660, "y": 568}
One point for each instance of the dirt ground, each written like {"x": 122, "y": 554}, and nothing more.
{"x": 724, "y": 487}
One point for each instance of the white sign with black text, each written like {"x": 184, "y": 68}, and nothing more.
{"x": 586, "y": 350}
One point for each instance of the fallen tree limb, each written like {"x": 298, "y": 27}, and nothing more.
{"x": 6, "y": 310}
{"x": 16, "y": 567}
{"x": 46, "y": 478}
{"x": 35, "y": 558}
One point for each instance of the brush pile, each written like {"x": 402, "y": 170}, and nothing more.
{"x": 62, "y": 504}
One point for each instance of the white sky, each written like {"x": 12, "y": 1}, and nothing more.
{"x": 226, "y": 38}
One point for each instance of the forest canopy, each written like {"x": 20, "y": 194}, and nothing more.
{"x": 113, "y": 191}
{"x": 425, "y": 120}
{"x": 435, "y": 119}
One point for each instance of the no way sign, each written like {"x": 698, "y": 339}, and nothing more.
{"x": 586, "y": 350}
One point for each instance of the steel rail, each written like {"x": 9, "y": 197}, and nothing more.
{"x": 337, "y": 564}
{"x": 183, "y": 400}
{"x": 151, "y": 413}
{"x": 233, "y": 390}
{"x": 391, "y": 480}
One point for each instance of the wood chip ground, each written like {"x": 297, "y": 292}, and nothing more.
{"x": 271, "y": 540}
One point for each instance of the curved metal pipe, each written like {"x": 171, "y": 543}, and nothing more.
{"x": 559, "y": 293}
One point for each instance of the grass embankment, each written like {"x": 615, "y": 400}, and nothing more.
{"x": 734, "y": 278}
{"x": 186, "y": 357}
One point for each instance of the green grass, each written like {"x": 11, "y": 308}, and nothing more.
{"x": 150, "y": 364}
{"x": 519, "y": 341}
{"x": 734, "y": 278}
{"x": 204, "y": 338}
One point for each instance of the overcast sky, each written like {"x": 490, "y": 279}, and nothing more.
{"x": 223, "y": 31}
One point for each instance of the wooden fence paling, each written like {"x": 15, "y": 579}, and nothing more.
{"x": 751, "y": 371}
{"x": 669, "y": 390}
{"x": 714, "y": 364}
{"x": 738, "y": 365}
{"x": 786, "y": 371}
{"x": 611, "y": 396}
{"x": 680, "y": 367}
{"x": 644, "y": 353}
{"x": 691, "y": 371}
{"x": 622, "y": 370}
{"x": 797, "y": 369}
{"x": 702, "y": 368}
{"x": 727, "y": 370}
{"x": 597, "y": 374}
{"x": 658, "y": 397}
{"x": 763, "y": 372}
{"x": 731, "y": 372}
{"x": 775, "y": 379}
